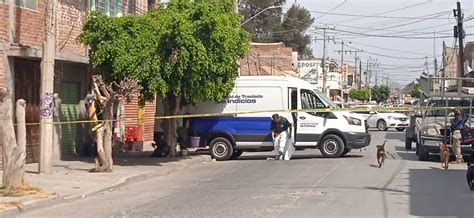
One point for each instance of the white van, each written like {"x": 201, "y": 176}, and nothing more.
{"x": 334, "y": 133}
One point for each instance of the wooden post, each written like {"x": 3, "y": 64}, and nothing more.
{"x": 14, "y": 152}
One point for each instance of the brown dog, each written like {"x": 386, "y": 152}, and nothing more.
{"x": 444, "y": 154}
{"x": 381, "y": 154}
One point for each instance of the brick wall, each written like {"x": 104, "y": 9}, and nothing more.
{"x": 134, "y": 6}
{"x": 2, "y": 70}
{"x": 29, "y": 25}
{"x": 3, "y": 21}
{"x": 70, "y": 20}
{"x": 263, "y": 55}
{"x": 451, "y": 64}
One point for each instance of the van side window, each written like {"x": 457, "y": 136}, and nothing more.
{"x": 310, "y": 101}
{"x": 294, "y": 99}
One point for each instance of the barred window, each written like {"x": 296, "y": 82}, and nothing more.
{"x": 30, "y": 4}
{"x": 109, "y": 7}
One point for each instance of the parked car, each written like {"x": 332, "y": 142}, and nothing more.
{"x": 434, "y": 126}
{"x": 383, "y": 120}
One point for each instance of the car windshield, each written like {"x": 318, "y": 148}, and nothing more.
{"x": 325, "y": 99}
{"x": 448, "y": 112}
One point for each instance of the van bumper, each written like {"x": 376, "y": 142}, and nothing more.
{"x": 357, "y": 140}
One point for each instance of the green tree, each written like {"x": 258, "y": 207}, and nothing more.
{"x": 413, "y": 89}
{"x": 186, "y": 52}
{"x": 293, "y": 30}
{"x": 380, "y": 93}
{"x": 359, "y": 94}
{"x": 262, "y": 26}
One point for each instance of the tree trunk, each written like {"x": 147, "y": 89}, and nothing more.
{"x": 108, "y": 115}
{"x": 104, "y": 161}
{"x": 14, "y": 153}
{"x": 171, "y": 105}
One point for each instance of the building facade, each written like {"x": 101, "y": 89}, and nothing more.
{"x": 269, "y": 59}
{"x": 22, "y": 32}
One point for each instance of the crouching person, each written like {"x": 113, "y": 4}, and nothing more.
{"x": 281, "y": 134}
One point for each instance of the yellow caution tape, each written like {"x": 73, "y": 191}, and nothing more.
{"x": 361, "y": 109}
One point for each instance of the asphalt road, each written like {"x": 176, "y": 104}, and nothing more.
{"x": 306, "y": 186}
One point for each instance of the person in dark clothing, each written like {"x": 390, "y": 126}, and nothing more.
{"x": 281, "y": 130}
{"x": 456, "y": 125}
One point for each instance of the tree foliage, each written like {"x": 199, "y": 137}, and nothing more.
{"x": 293, "y": 30}
{"x": 203, "y": 37}
{"x": 186, "y": 52}
{"x": 413, "y": 89}
{"x": 275, "y": 26}
{"x": 359, "y": 94}
{"x": 380, "y": 93}
{"x": 262, "y": 26}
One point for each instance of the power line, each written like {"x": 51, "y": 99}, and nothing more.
{"x": 393, "y": 36}
{"x": 381, "y": 17}
{"x": 332, "y": 9}
{"x": 386, "y": 12}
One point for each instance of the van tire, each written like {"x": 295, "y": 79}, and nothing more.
{"x": 408, "y": 143}
{"x": 332, "y": 146}
{"x": 221, "y": 149}
{"x": 345, "y": 152}
{"x": 423, "y": 155}
{"x": 236, "y": 154}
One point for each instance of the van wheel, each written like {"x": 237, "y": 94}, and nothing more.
{"x": 382, "y": 125}
{"x": 221, "y": 149}
{"x": 408, "y": 143}
{"x": 332, "y": 146}
{"x": 400, "y": 128}
{"x": 422, "y": 155}
{"x": 236, "y": 154}
{"x": 345, "y": 152}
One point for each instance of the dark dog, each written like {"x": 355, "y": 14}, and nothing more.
{"x": 470, "y": 175}
{"x": 381, "y": 154}
{"x": 444, "y": 154}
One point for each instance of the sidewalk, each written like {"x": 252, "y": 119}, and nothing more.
{"x": 71, "y": 180}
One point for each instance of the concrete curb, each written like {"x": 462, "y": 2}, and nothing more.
{"x": 37, "y": 204}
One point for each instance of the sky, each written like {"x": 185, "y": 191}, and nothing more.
{"x": 397, "y": 34}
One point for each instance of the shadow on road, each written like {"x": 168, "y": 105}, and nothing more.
{"x": 440, "y": 193}
{"x": 294, "y": 157}
{"x": 398, "y": 136}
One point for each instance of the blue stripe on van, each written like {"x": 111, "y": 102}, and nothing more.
{"x": 232, "y": 125}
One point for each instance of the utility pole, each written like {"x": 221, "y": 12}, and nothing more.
{"x": 426, "y": 65}
{"x": 47, "y": 86}
{"x": 360, "y": 74}
{"x": 323, "y": 62}
{"x": 459, "y": 33}
{"x": 342, "y": 77}
{"x": 355, "y": 65}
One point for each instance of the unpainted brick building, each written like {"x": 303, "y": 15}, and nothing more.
{"x": 22, "y": 28}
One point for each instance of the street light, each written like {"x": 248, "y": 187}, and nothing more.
{"x": 251, "y": 18}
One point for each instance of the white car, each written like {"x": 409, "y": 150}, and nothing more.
{"x": 384, "y": 120}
